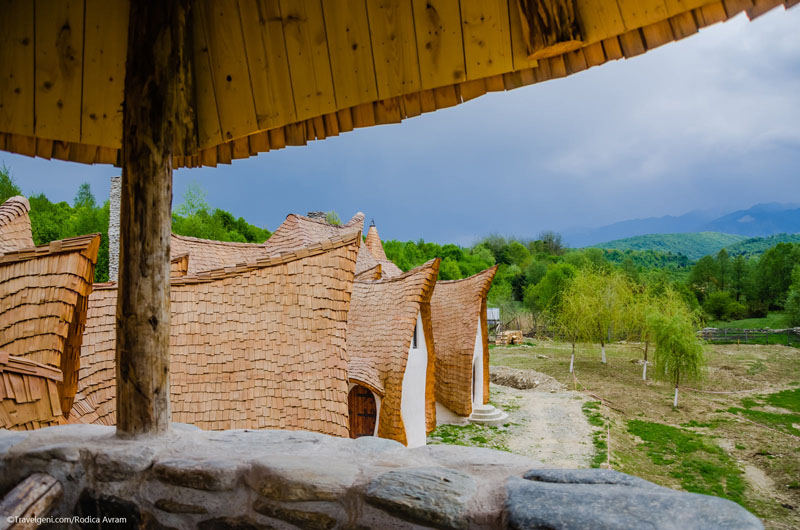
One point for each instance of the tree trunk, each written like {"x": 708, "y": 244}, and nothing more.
{"x": 157, "y": 117}
{"x": 572, "y": 359}
{"x": 644, "y": 368}
{"x": 675, "y": 401}
{"x": 603, "y": 351}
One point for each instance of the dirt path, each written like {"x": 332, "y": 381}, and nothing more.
{"x": 549, "y": 426}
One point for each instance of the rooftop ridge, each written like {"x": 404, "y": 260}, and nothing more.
{"x": 59, "y": 246}
{"x": 412, "y": 272}
{"x": 215, "y": 242}
{"x": 493, "y": 270}
{"x": 261, "y": 263}
{"x": 358, "y": 217}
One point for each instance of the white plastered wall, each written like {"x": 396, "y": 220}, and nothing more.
{"x": 477, "y": 369}
{"x": 412, "y": 403}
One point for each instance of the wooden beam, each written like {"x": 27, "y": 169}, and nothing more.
{"x": 157, "y": 117}
{"x": 33, "y": 497}
{"x": 550, "y": 26}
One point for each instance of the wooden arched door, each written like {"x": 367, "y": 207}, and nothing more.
{"x": 363, "y": 412}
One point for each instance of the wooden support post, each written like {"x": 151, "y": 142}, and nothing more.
{"x": 158, "y": 121}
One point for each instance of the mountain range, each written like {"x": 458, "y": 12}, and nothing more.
{"x": 761, "y": 220}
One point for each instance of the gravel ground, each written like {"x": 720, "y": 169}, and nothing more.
{"x": 548, "y": 425}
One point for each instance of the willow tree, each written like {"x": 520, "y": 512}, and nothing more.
{"x": 679, "y": 355}
{"x": 568, "y": 322}
{"x": 636, "y": 323}
{"x": 638, "y": 318}
{"x": 601, "y": 300}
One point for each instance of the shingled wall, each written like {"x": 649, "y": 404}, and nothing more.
{"x": 244, "y": 344}
{"x": 15, "y": 225}
{"x": 43, "y": 297}
{"x": 457, "y": 309}
{"x": 382, "y": 317}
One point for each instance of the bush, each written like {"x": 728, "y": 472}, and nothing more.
{"x": 721, "y": 306}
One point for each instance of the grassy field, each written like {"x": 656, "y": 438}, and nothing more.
{"x": 736, "y": 435}
{"x": 774, "y": 320}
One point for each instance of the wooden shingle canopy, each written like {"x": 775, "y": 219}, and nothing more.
{"x": 243, "y": 342}
{"x": 380, "y": 327}
{"x": 271, "y": 73}
{"x": 43, "y": 299}
{"x": 458, "y": 307}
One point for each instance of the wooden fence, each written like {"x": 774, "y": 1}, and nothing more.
{"x": 786, "y": 337}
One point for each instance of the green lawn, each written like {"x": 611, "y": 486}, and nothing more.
{"x": 739, "y": 424}
{"x": 774, "y": 320}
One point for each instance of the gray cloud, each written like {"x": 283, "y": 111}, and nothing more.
{"x": 708, "y": 122}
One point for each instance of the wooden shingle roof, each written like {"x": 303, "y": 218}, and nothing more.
{"x": 207, "y": 254}
{"x": 297, "y": 231}
{"x": 244, "y": 341}
{"x": 15, "y": 225}
{"x": 381, "y": 323}
{"x": 43, "y": 298}
{"x": 373, "y": 242}
{"x": 277, "y": 72}
{"x": 458, "y": 307}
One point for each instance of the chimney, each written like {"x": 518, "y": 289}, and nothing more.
{"x": 319, "y": 216}
{"x": 113, "y": 228}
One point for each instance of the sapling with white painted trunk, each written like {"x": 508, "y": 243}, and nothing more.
{"x": 679, "y": 354}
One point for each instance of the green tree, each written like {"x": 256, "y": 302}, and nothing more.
{"x": 793, "y": 299}
{"x": 571, "y": 319}
{"x": 547, "y": 294}
{"x": 605, "y": 298}
{"x": 8, "y": 188}
{"x": 721, "y": 305}
{"x": 703, "y": 278}
{"x": 738, "y": 276}
{"x": 535, "y": 271}
{"x": 552, "y": 241}
{"x": 194, "y": 201}
{"x": 723, "y": 269}
{"x": 679, "y": 355}
{"x": 517, "y": 253}
{"x": 448, "y": 269}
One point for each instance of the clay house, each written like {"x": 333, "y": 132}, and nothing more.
{"x": 258, "y": 345}
{"x": 43, "y": 296}
{"x": 458, "y": 313}
{"x": 391, "y": 357}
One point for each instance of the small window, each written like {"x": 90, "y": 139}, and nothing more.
{"x": 414, "y": 339}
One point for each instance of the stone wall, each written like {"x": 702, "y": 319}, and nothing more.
{"x": 114, "y": 198}
{"x": 289, "y": 479}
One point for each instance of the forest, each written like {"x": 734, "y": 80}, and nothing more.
{"x": 532, "y": 276}
{"x": 193, "y": 217}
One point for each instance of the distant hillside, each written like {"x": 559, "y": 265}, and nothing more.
{"x": 693, "y": 246}
{"x": 759, "y": 220}
{"x": 755, "y": 246}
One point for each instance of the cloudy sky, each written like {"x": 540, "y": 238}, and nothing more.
{"x": 710, "y": 122}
